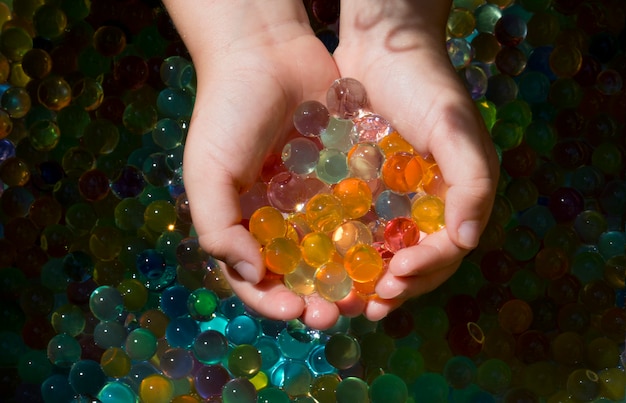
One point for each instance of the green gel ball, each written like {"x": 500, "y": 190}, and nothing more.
{"x": 540, "y": 136}
{"x": 388, "y": 388}
{"x": 167, "y": 134}
{"x": 244, "y": 361}
{"x": 49, "y": 21}
{"x": 202, "y": 304}
{"x": 141, "y": 344}
{"x": 352, "y": 390}
{"x": 160, "y": 215}
{"x": 583, "y": 385}
{"x": 15, "y": 42}
{"x": 34, "y": 367}
{"x": 507, "y": 134}
{"x": 430, "y": 387}
{"x": 275, "y": 395}
{"x": 488, "y": 111}
{"x": 494, "y": 375}
{"x": 407, "y": 363}
{"x": 332, "y": 166}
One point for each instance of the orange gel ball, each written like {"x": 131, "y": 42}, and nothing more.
{"x": 363, "y": 263}
{"x": 402, "y": 172}
{"x": 267, "y": 223}
{"x": 355, "y": 197}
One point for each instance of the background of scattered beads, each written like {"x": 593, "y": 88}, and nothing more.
{"x": 103, "y": 289}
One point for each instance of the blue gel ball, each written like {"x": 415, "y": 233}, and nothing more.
{"x": 87, "y": 378}
{"x": 182, "y": 331}
{"x": 232, "y": 307}
{"x": 57, "y": 389}
{"x": 210, "y": 347}
{"x": 611, "y": 244}
{"x": 174, "y": 301}
{"x": 175, "y": 103}
{"x": 270, "y": 353}
{"x": 243, "y": 329}
{"x": 296, "y": 342}
{"x": 390, "y": 205}
{"x": 318, "y": 363}
{"x": 176, "y": 363}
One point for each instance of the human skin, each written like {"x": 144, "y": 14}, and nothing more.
{"x": 256, "y": 62}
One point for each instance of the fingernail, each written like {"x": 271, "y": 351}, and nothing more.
{"x": 469, "y": 233}
{"x": 247, "y": 271}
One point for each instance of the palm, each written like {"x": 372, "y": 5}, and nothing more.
{"x": 252, "y": 96}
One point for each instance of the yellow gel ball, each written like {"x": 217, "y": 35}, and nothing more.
{"x": 282, "y": 255}
{"x": 317, "y": 248}
{"x": 115, "y": 362}
{"x": 428, "y": 212}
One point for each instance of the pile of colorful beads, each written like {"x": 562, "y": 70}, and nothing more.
{"x": 347, "y": 193}
{"x": 105, "y": 293}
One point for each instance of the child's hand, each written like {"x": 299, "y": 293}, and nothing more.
{"x": 397, "y": 50}
{"x": 255, "y": 64}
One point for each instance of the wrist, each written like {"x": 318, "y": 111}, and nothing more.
{"x": 394, "y": 24}
{"x": 215, "y": 26}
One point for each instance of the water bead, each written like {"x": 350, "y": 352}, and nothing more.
{"x": 611, "y": 244}
{"x": 346, "y": 97}
{"x": 583, "y": 384}
{"x": 266, "y": 224}
{"x": 117, "y": 392}
{"x": 15, "y": 43}
{"x": 244, "y": 361}
{"x": 282, "y": 255}
{"x": 141, "y": 344}
{"x": 300, "y": 155}
{"x": 106, "y": 303}
{"x": 15, "y": 101}
{"x": 363, "y": 263}
{"x": 475, "y": 80}
{"x": 460, "y": 52}
{"x": 332, "y": 281}
{"x": 401, "y": 232}
{"x": 86, "y": 377}
{"x": 202, "y": 304}
{"x": 324, "y": 386}
{"x": 239, "y": 390}
{"x": 311, "y": 118}
{"x": 338, "y": 134}
{"x": 301, "y": 280}
{"x": 365, "y": 161}
{"x": 210, "y": 380}
{"x": 590, "y": 225}
{"x": 182, "y": 331}
{"x": 177, "y": 72}
{"x": 289, "y": 192}
{"x": 324, "y": 212}
{"x": 487, "y": 16}
{"x": 390, "y": 205}
{"x": 428, "y": 213}
{"x": 243, "y": 329}
{"x": 388, "y": 388}
{"x": 342, "y": 351}
{"x": 460, "y": 23}
{"x": 176, "y": 363}
{"x": 156, "y": 388}
{"x": 332, "y": 166}
{"x": 109, "y": 40}
{"x": 174, "y": 300}
{"x": 355, "y": 196}
{"x": 160, "y": 216}
{"x": 401, "y": 172}
{"x": 370, "y": 128}
{"x": 115, "y": 362}
{"x": 63, "y": 350}
{"x": 352, "y": 389}
{"x": 210, "y": 347}
{"x": 317, "y": 248}
{"x": 167, "y": 134}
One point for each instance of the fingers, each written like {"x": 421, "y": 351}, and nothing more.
{"x": 269, "y": 297}
{"x": 214, "y": 201}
